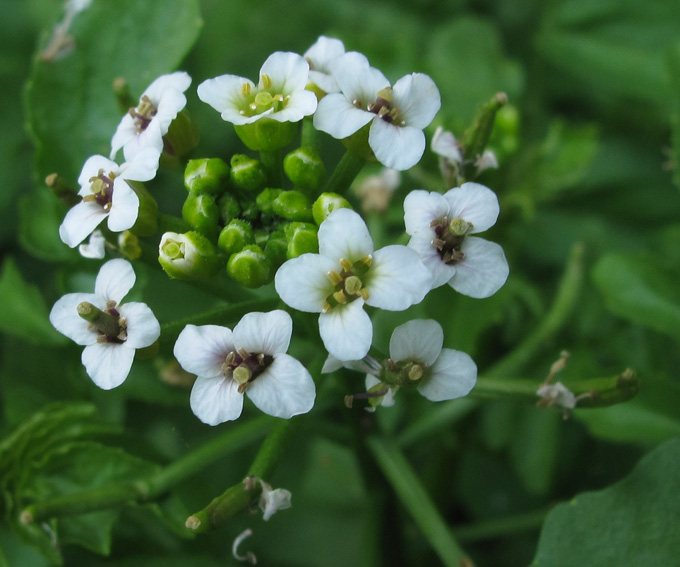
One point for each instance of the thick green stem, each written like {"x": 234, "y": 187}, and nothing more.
{"x": 346, "y": 171}
{"x": 562, "y": 307}
{"x": 237, "y": 498}
{"x": 309, "y": 136}
{"x": 273, "y": 166}
{"x": 150, "y": 488}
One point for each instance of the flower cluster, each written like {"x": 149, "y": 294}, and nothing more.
{"x": 240, "y": 219}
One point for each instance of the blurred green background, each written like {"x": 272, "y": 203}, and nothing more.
{"x": 589, "y": 157}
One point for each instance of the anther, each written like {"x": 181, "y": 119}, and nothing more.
{"x": 246, "y": 89}
{"x": 334, "y": 277}
{"x": 346, "y": 265}
{"x": 266, "y": 81}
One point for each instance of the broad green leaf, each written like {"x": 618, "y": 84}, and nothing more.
{"x": 23, "y": 312}
{"x": 72, "y": 112}
{"x": 40, "y": 214}
{"x": 637, "y": 288}
{"x": 673, "y": 66}
{"x": 632, "y": 523}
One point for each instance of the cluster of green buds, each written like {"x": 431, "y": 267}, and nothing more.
{"x": 242, "y": 218}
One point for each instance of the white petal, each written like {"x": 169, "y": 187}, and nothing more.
{"x": 267, "y": 333}
{"x": 215, "y": 400}
{"x": 475, "y": 203}
{"x": 95, "y": 248}
{"x": 125, "y": 133}
{"x": 271, "y": 501}
{"x": 224, "y": 93}
{"x": 417, "y": 97}
{"x": 357, "y": 80}
{"x": 114, "y": 280}
{"x": 91, "y": 169}
{"x": 300, "y": 104}
{"x": 442, "y": 273}
{"x": 80, "y": 221}
{"x": 344, "y": 235}
{"x": 144, "y": 165}
{"x": 319, "y": 55}
{"x": 483, "y": 271}
{"x": 421, "y": 208}
{"x": 303, "y": 284}
{"x": 347, "y": 331}
{"x": 397, "y": 279}
{"x": 143, "y": 328}
{"x": 397, "y": 147}
{"x": 388, "y": 399}
{"x": 177, "y": 81}
{"x": 288, "y": 72}
{"x": 419, "y": 340}
{"x": 337, "y": 116}
{"x": 283, "y": 390}
{"x": 444, "y": 144}
{"x": 202, "y": 350}
{"x": 65, "y": 319}
{"x": 453, "y": 376}
{"x": 108, "y": 364}
{"x": 124, "y": 206}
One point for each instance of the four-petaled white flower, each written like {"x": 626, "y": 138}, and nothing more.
{"x": 279, "y": 95}
{"x": 397, "y": 115}
{"x": 345, "y": 275}
{"x": 439, "y": 373}
{"x": 440, "y": 226}
{"x": 114, "y": 331}
{"x": 106, "y": 194}
{"x": 251, "y": 359}
{"x": 145, "y": 125}
{"x": 319, "y": 56}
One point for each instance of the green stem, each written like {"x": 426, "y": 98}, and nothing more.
{"x": 309, "y": 136}
{"x": 218, "y": 316}
{"x": 417, "y": 501}
{"x": 152, "y": 487}
{"x": 273, "y": 165}
{"x": 349, "y": 167}
{"x": 562, "y": 307}
{"x": 236, "y": 498}
{"x": 492, "y": 529}
{"x": 169, "y": 223}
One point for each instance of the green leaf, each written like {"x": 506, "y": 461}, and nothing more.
{"x": 72, "y": 112}
{"x": 631, "y": 523}
{"x": 673, "y": 66}
{"x": 638, "y": 289}
{"x": 40, "y": 214}
{"x": 23, "y": 312}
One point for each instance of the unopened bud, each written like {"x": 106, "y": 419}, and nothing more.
{"x": 293, "y": 206}
{"x": 128, "y": 244}
{"x": 304, "y": 168}
{"x": 201, "y": 212}
{"x": 188, "y": 256}
{"x": 247, "y": 173}
{"x": 250, "y": 267}
{"x": 266, "y": 134}
{"x": 265, "y": 200}
{"x": 326, "y": 204}
{"x": 206, "y": 175}
{"x": 302, "y": 238}
{"x": 235, "y": 236}
{"x": 276, "y": 249}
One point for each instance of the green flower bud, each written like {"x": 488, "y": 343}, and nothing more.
{"x": 250, "y": 267}
{"x": 182, "y": 137}
{"x": 147, "y": 215}
{"x": 302, "y": 238}
{"x": 129, "y": 246}
{"x": 265, "y": 200}
{"x": 235, "y": 236}
{"x": 206, "y": 175}
{"x": 326, "y": 204}
{"x": 188, "y": 256}
{"x": 276, "y": 249}
{"x": 304, "y": 168}
{"x": 229, "y": 208}
{"x": 201, "y": 212}
{"x": 292, "y": 205}
{"x": 247, "y": 173}
{"x": 266, "y": 134}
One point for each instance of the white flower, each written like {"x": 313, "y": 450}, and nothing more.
{"x": 95, "y": 248}
{"x": 376, "y": 191}
{"x": 445, "y": 145}
{"x": 439, "y": 226}
{"x": 145, "y": 125}
{"x": 345, "y": 274}
{"x": 251, "y": 359}
{"x": 280, "y": 93}
{"x": 319, "y": 56}
{"x": 440, "y": 373}
{"x": 397, "y": 115}
{"x": 110, "y": 341}
{"x": 106, "y": 194}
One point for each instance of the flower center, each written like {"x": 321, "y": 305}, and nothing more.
{"x": 245, "y": 366}
{"x": 143, "y": 114}
{"x": 385, "y": 108}
{"x": 403, "y": 372}
{"x": 449, "y": 238}
{"x": 173, "y": 249}
{"x": 348, "y": 283}
{"x": 101, "y": 186}
{"x": 263, "y": 100}
{"x": 110, "y": 326}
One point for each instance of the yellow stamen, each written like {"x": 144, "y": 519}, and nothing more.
{"x": 246, "y": 90}
{"x": 266, "y": 81}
